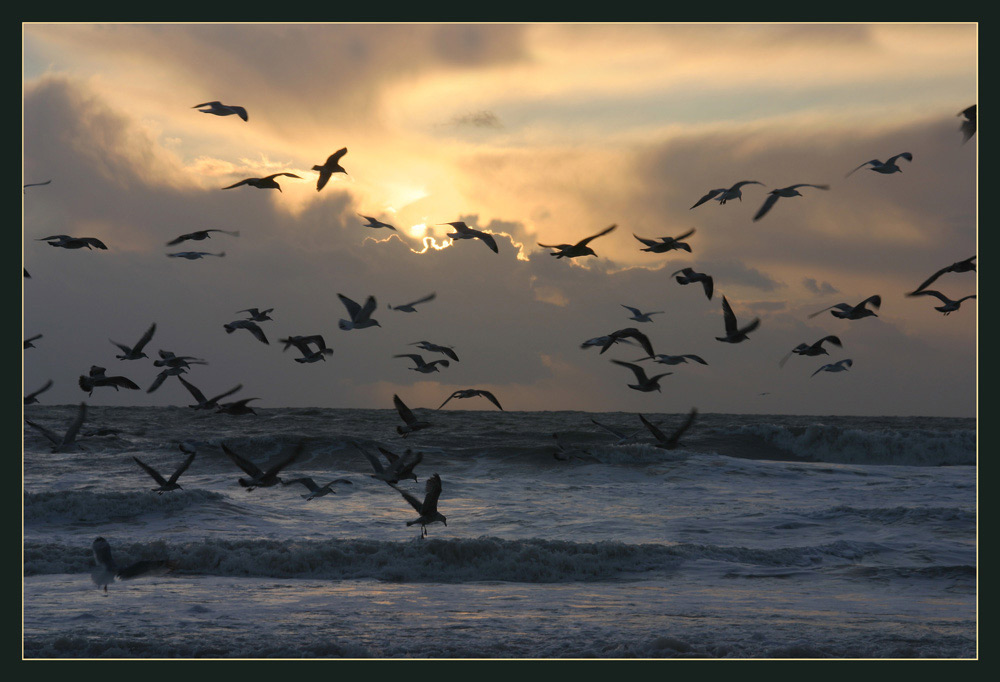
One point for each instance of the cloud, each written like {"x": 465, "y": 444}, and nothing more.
{"x": 818, "y": 288}
{"x": 477, "y": 119}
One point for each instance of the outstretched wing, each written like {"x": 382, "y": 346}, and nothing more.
{"x": 151, "y": 471}
{"x": 404, "y": 412}
{"x": 183, "y": 467}
{"x": 453, "y": 395}
{"x": 246, "y": 465}
{"x": 492, "y": 398}
{"x": 193, "y": 390}
{"x": 241, "y": 182}
{"x": 640, "y": 374}
{"x": 711, "y": 193}
{"x": 657, "y": 434}
{"x": 873, "y": 162}
{"x": 291, "y": 457}
{"x": 728, "y": 316}
{"x": 414, "y": 502}
{"x": 433, "y": 488}
{"x": 768, "y": 203}
{"x": 430, "y": 297}
{"x": 145, "y": 339}
{"x": 584, "y": 242}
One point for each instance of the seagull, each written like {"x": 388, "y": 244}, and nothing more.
{"x": 168, "y": 359}
{"x": 422, "y": 366}
{"x": 330, "y": 167}
{"x": 839, "y": 366}
{"x": 664, "y": 359}
{"x": 309, "y": 355}
{"x": 314, "y": 489}
{"x": 628, "y": 332}
{"x": 463, "y": 231}
{"x": 813, "y": 350}
{"x": 107, "y": 571}
{"x": 578, "y": 249}
{"x": 28, "y": 342}
{"x": 97, "y": 377}
{"x": 472, "y": 393}
{"x": 135, "y": 352}
{"x": 889, "y": 166}
{"x": 687, "y": 276}
{"x": 775, "y": 194}
{"x": 408, "y": 307}
{"x": 665, "y": 243}
{"x": 372, "y": 222}
{"x": 302, "y": 343}
{"x": 412, "y": 423}
{"x": 68, "y": 439}
{"x": 250, "y": 326}
{"x": 195, "y": 255}
{"x": 724, "y": 195}
{"x": 734, "y": 334}
{"x": 949, "y": 306}
{"x": 622, "y": 436}
{"x": 398, "y": 469}
{"x": 220, "y": 109}
{"x": 848, "y": 312}
{"x": 264, "y": 183}
{"x": 968, "y": 128}
{"x": 961, "y": 266}
{"x": 360, "y": 316}
{"x": 237, "y": 408}
{"x": 171, "y": 484}
{"x": 428, "y": 508}
{"x": 203, "y": 403}
{"x": 671, "y": 442}
{"x": 258, "y": 478}
{"x": 199, "y": 235}
{"x": 646, "y": 384}
{"x": 38, "y": 184}
{"x": 434, "y": 348}
{"x": 67, "y": 242}
{"x": 162, "y": 376}
{"x": 32, "y": 398}
{"x": 640, "y": 316}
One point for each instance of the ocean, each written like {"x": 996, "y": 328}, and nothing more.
{"x": 760, "y": 536}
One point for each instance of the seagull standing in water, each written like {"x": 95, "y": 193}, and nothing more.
{"x": 734, "y": 334}
{"x": 316, "y": 490}
{"x": 665, "y": 244}
{"x": 373, "y": 222}
{"x": 646, "y": 384}
{"x": 961, "y": 266}
{"x": 428, "y": 508}
{"x": 775, "y": 194}
{"x": 640, "y": 316}
{"x": 166, "y": 485}
{"x": 220, "y": 109}
{"x": 422, "y": 366}
{"x": 200, "y": 235}
{"x": 688, "y": 276}
{"x": 839, "y": 366}
{"x": 135, "y": 352}
{"x": 886, "y": 167}
{"x": 434, "y": 348}
{"x": 463, "y": 231}
{"x": 968, "y": 128}
{"x": 472, "y": 393}
{"x": 268, "y": 182}
{"x": 949, "y": 306}
{"x": 108, "y": 570}
{"x": 250, "y": 326}
{"x": 329, "y": 167}
{"x": 412, "y": 423}
{"x": 258, "y": 478}
{"x": 724, "y": 195}
{"x": 408, "y": 307}
{"x": 360, "y": 316}
{"x": 813, "y": 350}
{"x": 849, "y": 312}
{"x": 32, "y": 398}
{"x": 578, "y": 249}
{"x": 68, "y": 439}
{"x": 673, "y": 440}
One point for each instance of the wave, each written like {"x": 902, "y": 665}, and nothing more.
{"x": 923, "y": 516}
{"x": 88, "y": 507}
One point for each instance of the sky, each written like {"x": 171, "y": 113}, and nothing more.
{"x": 537, "y": 133}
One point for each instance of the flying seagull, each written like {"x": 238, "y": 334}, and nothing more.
{"x": 97, "y": 377}
{"x": 199, "y": 235}
{"x": 733, "y": 333}
{"x": 238, "y": 407}
{"x": 168, "y": 359}
{"x": 360, "y": 316}
{"x": 849, "y": 312}
{"x": 32, "y": 398}
{"x": 724, "y": 195}
{"x": 472, "y": 393}
{"x": 162, "y": 376}
{"x": 839, "y": 366}
{"x": 463, "y": 231}
{"x": 68, "y": 439}
{"x": 646, "y": 384}
{"x": 961, "y": 266}
{"x": 434, "y": 348}
{"x": 195, "y": 255}
{"x": 308, "y": 354}
{"x": 601, "y": 340}
{"x": 220, "y": 109}
{"x": 67, "y": 242}
{"x": 428, "y": 508}
{"x": 108, "y": 571}
{"x": 257, "y": 315}
{"x": 408, "y": 307}
{"x": 250, "y": 326}
{"x": 640, "y": 316}
{"x": 949, "y": 306}
{"x": 664, "y": 359}
{"x": 578, "y": 249}
{"x": 258, "y": 478}
{"x": 628, "y": 332}
{"x": 28, "y": 342}
{"x": 775, "y": 194}
{"x": 203, "y": 403}
{"x": 422, "y": 366}
{"x": 672, "y": 441}
{"x": 264, "y": 183}
{"x": 886, "y": 167}
{"x": 412, "y": 423}
{"x": 166, "y": 485}
{"x": 135, "y": 352}
{"x": 968, "y": 128}
{"x": 314, "y": 489}
{"x": 372, "y": 222}
{"x": 330, "y": 167}
{"x": 813, "y": 350}
{"x": 664, "y": 244}
{"x": 398, "y": 469}
{"x": 688, "y": 276}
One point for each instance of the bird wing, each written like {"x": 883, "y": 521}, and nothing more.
{"x": 728, "y": 316}
{"x": 831, "y": 339}
{"x": 820, "y": 370}
{"x": 208, "y": 104}
{"x": 404, "y": 412}
{"x": 750, "y": 327}
{"x": 657, "y": 434}
{"x": 584, "y": 242}
{"x": 241, "y": 182}
{"x": 353, "y": 309}
{"x": 414, "y": 502}
{"x": 306, "y": 481}
{"x": 419, "y": 360}
{"x": 125, "y": 349}
{"x": 905, "y": 155}
{"x": 178, "y": 240}
{"x": 334, "y": 158}
{"x": 839, "y": 306}
{"x": 492, "y": 398}
{"x": 782, "y": 361}
{"x": 216, "y": 398}
{"x": 696, "y": 358}
{"x": 768, "y": 203}
{"x": 367, "y": 310}
{"x": 709, "y": 284}
{"x": 610, "y": 430}
{"x": 239, "y": 111}
{"x": 875, "y": 300}
{"x": 433, "y": 489}
{"x": 145, "y": 339}
{"x": 638, "y": 336}
{"x": 936, "y": 294}
{"x": 43, "y": 389}
{"x": 257, "y": 332}
{"x": 193, "y": 390}
{"x": 290, "y": 175}
{"x": 246, "y": 465}
{"x": 682, "y": 236}
{"x": 44, "y": 431}
{"x": 151, "y": 471}
{"x": 931, "y": 279}
{"x": 640, "y": 375}
{"x": 184, "y": 465}
{"x": 873, "y": 162}
{"x": 711, "y": 193}
{"x": 120, "y": 382}
{"x": 488, "y": 239}
{"x": 685, "y": 426}
{"x": 430, "y": 297}
{"x": 806, "y": 184}
{"x": 453, "y": 395}
{"x": 391, "y": 457}
{"x": 647, "y": 242}
{"x": 102, "y": 554}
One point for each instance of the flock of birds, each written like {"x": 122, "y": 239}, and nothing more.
{"x": 313, "y": 348}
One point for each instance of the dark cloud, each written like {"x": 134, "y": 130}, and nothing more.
{"x": 477, "y": 119}
{"x": 819, "y": 287}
